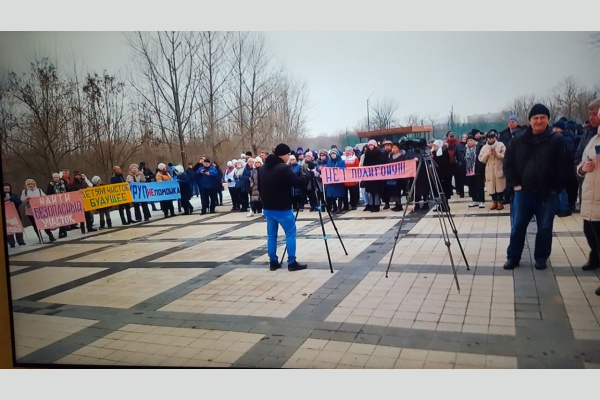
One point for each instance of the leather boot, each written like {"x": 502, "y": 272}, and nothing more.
{"x": 500, "y": 206}
{"x": 494, "y": 205}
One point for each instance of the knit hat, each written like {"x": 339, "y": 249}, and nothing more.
{"x": 539, "y": 109}
{"x": 179, "y": 169}
{"x": 513, "y": 118}
{"x": 559, "y": 124}
{"x": 299, "y": 150}
{"x": 258, "y": 159}
{"x": 334, "y": 151}
{"x": 372, "y": 142}
{"x": 348, "y": 148}
{"x": 491, "y": 134}
{"x": 282, "y": 149}
{"x": 206, "y": 160}
{"x": 95, "y": 179}
{"x": 230, "y": 163}
{"x": 323, "y": 151}
{"x": 386, "y": 141}
{"x": 162, "y": 166}
{"x": 439, "y": 143}
{"x": 133, "y": 166}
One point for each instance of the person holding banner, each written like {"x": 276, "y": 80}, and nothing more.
{"x": 124, "y": 209}
{"x": 149, "y": 176}
{"x": 136, "y": 175}
{"x": 58, "y": 185}
{"x": 81, "y": 182}
{"x": 350, "y": 188}
{"x": 31, "y": 190}
{"x": 373, "y": 156}
{"x": 104, "y": 212}
{"x": 9, "y": 196}
{"x": 162, "y": 175}
{"x": 185, "y": 187}
{"x": 335, "y": 192}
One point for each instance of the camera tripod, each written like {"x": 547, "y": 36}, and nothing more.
{"x": 320, "y": 198}
{"x": 441, "y": 208}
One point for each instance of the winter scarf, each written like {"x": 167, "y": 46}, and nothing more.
{"x": 470, "y": 158}
{"x": 59, "y": 187}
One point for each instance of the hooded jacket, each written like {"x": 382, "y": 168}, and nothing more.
{"x": 275, "y": 182}
{"x": 536, "y": 162}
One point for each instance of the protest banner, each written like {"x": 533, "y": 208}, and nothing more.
{"x": 13, "y": 222}
{"x": 402, "y": 169}
{"x": 56, "y": 210}
{"x": 106, "y": 196}
{"x": 154, "y": 191}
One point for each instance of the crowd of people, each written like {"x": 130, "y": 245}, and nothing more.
{"x": 538, "y": 168}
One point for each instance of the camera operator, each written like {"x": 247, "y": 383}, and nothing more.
{"x": 275, "y": 183}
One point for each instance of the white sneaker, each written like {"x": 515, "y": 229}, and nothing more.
{"x": 249, "y": 214}
{"x": 481, "y": 205}
{"x": 473, "y": 204}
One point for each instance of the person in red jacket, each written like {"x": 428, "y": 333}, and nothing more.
{"x": 352, "y": 189}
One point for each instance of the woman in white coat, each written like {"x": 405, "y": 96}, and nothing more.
{"x": 492, "y": 155}
{"x": 590, "y": 201}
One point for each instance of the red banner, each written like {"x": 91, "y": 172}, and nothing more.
{"x": 402, "y": 169}
{"x": 13, "y": 222}
{"x": 57, "y": 210}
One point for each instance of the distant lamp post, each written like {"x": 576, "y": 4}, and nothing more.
{"x": 368, "y": 108}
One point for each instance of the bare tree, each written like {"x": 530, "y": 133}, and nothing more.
{"x": 256, "y": 80}
{"x": 412, "y": 119}
{"x": 384, "y": 111}
{"x": 565, "y": 97}
{"x": 113, "y": 126}
{"x": 584, "y": 98}
{"x": 214, "y": 73}
{"x": 170, "y": 80}
{"x": 289, "y": 110}
{"x": 40, "y": 135}
{"x": 520, "y": 107}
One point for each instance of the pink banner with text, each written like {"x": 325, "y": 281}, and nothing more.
{"x": 402, "y": 169}
{"x": 13, "y": 222}
{"x": 57, "y": 210}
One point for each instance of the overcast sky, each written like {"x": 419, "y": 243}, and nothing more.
{"x": 426, "y": 73}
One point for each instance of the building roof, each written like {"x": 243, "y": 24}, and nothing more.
{"x": 401, "y": 130}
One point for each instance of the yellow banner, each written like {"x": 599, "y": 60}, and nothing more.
{"x": 106, "y": 196}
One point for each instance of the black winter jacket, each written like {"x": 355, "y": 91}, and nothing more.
{"x": 506, "y": 135}
{"x": 588, "y": 133}
{"x": 536, "y": 162}
{"x": 275, "y": 182}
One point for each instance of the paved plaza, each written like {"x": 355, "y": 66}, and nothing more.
{"x": 196, "y": 291}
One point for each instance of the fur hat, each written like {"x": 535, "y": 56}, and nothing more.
{"x": 132, "y": 166}
{"x": 323, "y": 151}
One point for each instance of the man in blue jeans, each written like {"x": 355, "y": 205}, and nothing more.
{"x": 534, "y": 165}
{"x": 275, "y": 182}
